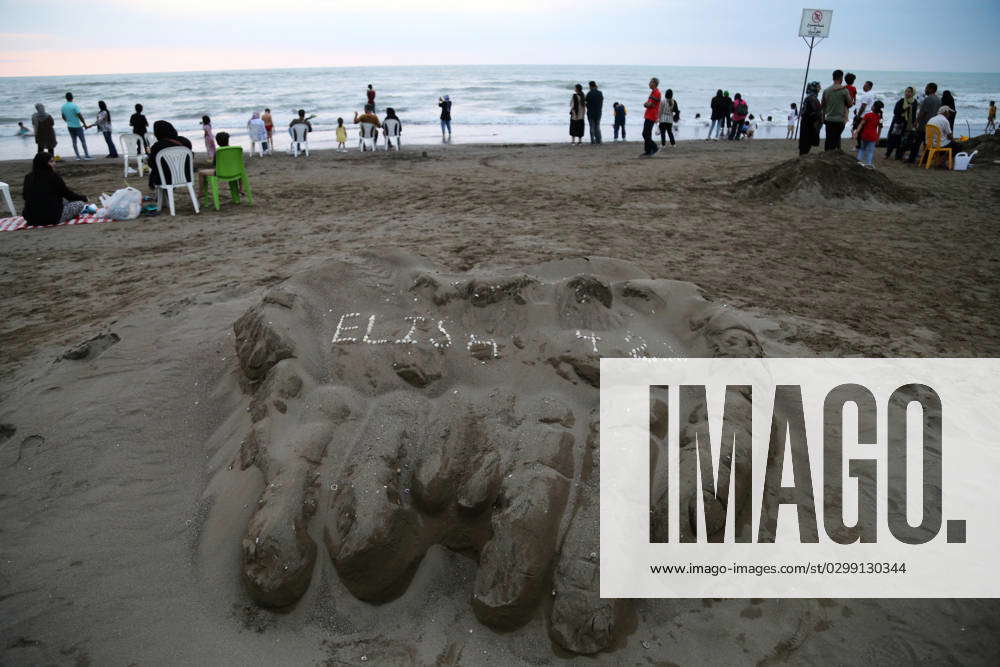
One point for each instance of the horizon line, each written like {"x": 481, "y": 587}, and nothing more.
{"x": 322, "y": 67}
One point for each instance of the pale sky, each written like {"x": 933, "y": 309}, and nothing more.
{"x": 58, "y": 37}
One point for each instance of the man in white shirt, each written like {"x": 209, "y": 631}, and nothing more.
{"x": 940, "y": 121}
{"x": 863, "y": 105}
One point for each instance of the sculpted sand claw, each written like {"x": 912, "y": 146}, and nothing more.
{"x": 394, "y": 406}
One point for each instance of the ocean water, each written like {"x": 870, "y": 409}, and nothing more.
{"x": 508, "y": 104}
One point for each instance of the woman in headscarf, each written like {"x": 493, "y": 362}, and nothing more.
{"x": 258, "y": 131}
{"x": 166, "y": 137}
{"x": 47, "y": 200}
{"x": 948, "y": 100}
{"x": 104, "y": 126}
{"x": 45, "y": 130}
{"x": 811, "y": 119}
{"x": 904, "y": 124}
{"x": 577, "y": 111}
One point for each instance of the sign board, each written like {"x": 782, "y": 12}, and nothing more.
{"x": 815, "y": 23}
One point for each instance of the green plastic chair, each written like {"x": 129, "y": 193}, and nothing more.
{"x": 229, "y": 168}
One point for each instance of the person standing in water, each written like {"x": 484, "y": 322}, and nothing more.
{"x": 76, "y": 125}
{"x": 793, "y": 114}
{"x": 103, "y": 123}
{"x": 991, "y": 117}
{"x": 650, "y": 117}
{"x": 445, "y": 104}
{"x": 371, "y": 96}
{"x": 620, "y": 112}
{"x": 595, "y": 108}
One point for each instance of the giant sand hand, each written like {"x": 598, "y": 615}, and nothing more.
{"x": 395, "y": 406}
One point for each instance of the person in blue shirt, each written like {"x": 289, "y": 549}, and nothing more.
{"x": 76, "y": 125}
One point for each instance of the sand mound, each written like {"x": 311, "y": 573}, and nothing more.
{"x": 988, "y": 146}
{"x": 395, "y": 407}
{"x": 826, "y": 176}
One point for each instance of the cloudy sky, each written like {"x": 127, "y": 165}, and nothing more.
{"x": 41, "y": 37}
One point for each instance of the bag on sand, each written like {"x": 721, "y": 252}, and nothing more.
{"x": 124, "y": 204}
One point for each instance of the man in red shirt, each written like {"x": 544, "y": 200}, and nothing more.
{"x": 651, "y": 116}
{"x": 371, "y": 96}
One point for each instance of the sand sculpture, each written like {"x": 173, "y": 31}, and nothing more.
{"x": 395, "y": 406}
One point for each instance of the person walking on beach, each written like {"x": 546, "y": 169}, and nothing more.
{"x": 140, "y": 126}
{"x": 45, "y": 130}
{"x": 718, "y": 119}
{"x": 666, "y": 118}
{"x": 445, "y": 104}
{"x": 811, "y": 119}
{"x": 991, "y": 117}
{"x": 793, "y": 114}
{"x": 76, "y": 125}
{"x": 577, "y": 111}
{"x": 741, "y": 109}
{"x": 902, "y": 130}
{"x": 206, "y": 128}
{"x": 268, "y": 126}
{"x": 103, "y": 123}
{"x": 595, "y": 109}
{"x": 868, "y": 132}
{"x": 371, "y": 97}
{"x": 341, "y": 136}
{"x": 620, "y": 112}
{"x": 836, "y": 101}
{"x": 927, "y": 110}
{"x": 651, "y": 116}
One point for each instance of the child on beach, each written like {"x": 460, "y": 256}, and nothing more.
{"x": 206, "y": 127}
{"x": 792, "y": 117}
{"x": 140, "y": 126}
{"x": 750, "y": 126}
{"x": 991, "y": 117}
{"x": 868, "y": 132}
{"x": 341, "y": 135}
{"x": 268, "y": 126}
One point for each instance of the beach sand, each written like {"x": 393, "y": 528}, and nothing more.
{"x": 127, "y": 398}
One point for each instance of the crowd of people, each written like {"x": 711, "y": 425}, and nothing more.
{"x": 49, "y": 201}
{"x": 832, "y": 107}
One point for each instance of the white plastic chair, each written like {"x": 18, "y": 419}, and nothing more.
{"x": 300, "y": 134}
{"x": 5, "y": 189}
{"x": 172, "y": 160}
{"x": 391, "y": 129}
{"x": 963, "y": 159}
{"x": 132, "y": 142}
{"x": 367, "y": 136}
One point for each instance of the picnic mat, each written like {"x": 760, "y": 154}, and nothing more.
{"x": 14, "y": 224}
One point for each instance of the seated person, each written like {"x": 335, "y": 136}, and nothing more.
{"x": 47, "y": 200}
{"x": 940, "y": 121}
{"x": 221, "y": 141}
{"x": 302, "y": 120}
{"x": 166, "y": 137}
{"x": 391, "y": 126}
{"x": 369, "y": 117}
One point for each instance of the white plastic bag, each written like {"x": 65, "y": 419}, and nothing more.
{"x": 124, "y": 204}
